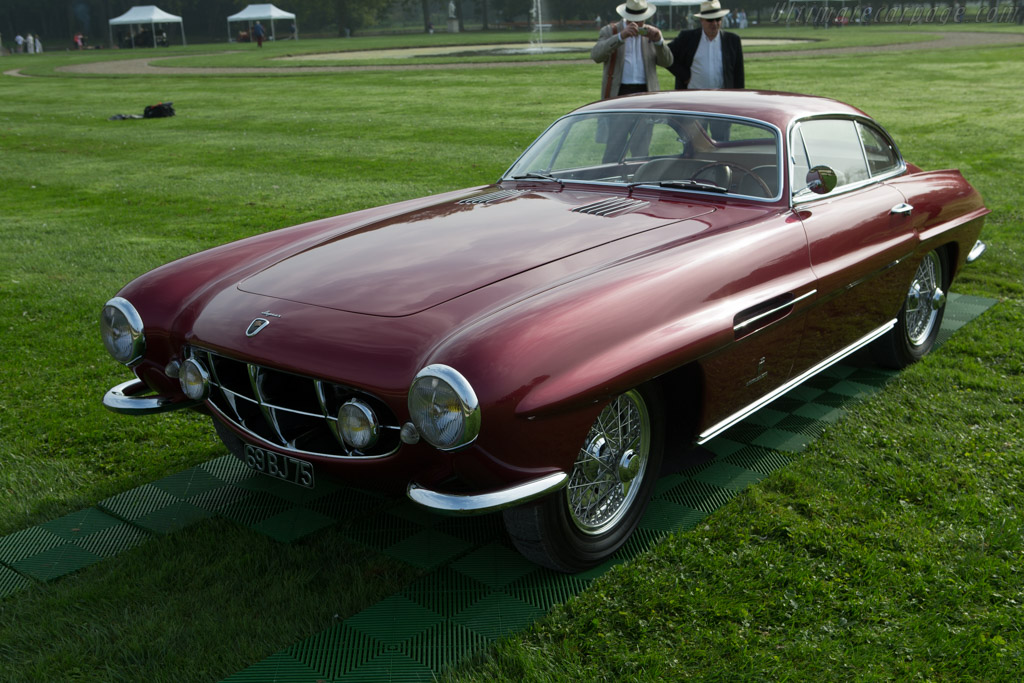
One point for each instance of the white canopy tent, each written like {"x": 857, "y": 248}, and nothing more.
{"x": 142, "y": 15}
{"x": 264, "y": 12}
{"x": 672, "y": 4}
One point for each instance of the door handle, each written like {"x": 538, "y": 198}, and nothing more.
{"x": 903, "y": 209}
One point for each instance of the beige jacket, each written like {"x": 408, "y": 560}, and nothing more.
{"x": 610, "y": 51}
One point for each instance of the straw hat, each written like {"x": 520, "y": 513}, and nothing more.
{"x": 636, "y": 10}
{"x": 711, "y": 9}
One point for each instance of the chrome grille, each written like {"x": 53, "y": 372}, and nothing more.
{"x": 295, "y": 413}
{"x": 613, "y": 206}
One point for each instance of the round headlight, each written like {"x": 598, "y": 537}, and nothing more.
{"x": 358, "y": 425}
{"x": 194, "y": 379}
{"x": 444, "y": 408}
{"x": 121, "y": 329}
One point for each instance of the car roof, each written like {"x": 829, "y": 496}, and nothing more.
{"x": 777, "y": 108}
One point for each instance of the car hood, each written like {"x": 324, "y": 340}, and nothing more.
{"x": 418, "y": 260}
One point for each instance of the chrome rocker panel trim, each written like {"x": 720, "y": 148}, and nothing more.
{"x": 491, "y": 501}
{"x": 768, "y": 398}
{"x": 126, "y": 399}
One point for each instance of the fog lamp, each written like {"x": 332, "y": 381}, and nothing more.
{"x": 194, "y": 379}
{"x": 358, "y": 425}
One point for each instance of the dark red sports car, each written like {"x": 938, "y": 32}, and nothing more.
{"x": 650, "y": 271}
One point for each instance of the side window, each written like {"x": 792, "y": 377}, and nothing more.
{"x": 881, "y": 154}
{"x": 834, "y": 143}
{"x": 801, "y": 165}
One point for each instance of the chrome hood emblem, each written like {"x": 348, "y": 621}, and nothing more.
{"x": 255, "y": 326}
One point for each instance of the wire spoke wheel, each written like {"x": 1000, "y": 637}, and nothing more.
{"x": 924, "y": 300}
{"x": 920, "y": 318}
{"x": 615, "y": 453}
{"x": 609, "y": 485}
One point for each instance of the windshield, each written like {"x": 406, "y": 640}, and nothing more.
{"x": 673, "y": 150}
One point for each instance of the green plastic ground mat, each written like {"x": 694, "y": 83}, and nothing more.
{"x": 477, "y": 589}
{"x": 63, "y": 545}
{"x": 474, "y": 587}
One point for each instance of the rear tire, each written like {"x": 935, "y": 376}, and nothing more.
{"x": 917, "y": 326}
{"x": 609, "y": 486}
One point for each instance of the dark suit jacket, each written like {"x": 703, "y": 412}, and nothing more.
{"x": 684, "y": 47}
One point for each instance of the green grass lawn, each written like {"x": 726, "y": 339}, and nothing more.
{"x": 891, "y": 548}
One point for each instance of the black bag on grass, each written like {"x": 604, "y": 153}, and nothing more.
{"x": 159, "y": 110}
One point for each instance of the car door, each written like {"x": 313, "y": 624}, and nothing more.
{"x": 859, "y": 234}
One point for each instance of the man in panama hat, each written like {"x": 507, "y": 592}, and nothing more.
{"x": 707, "y": 57}
{"x": 631, "y": 51}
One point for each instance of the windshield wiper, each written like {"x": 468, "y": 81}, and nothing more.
{"x": 691, "y": 185}
{"x": 533, "y": 175}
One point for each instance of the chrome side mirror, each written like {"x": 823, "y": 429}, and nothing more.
{"x": 821, "y": 180}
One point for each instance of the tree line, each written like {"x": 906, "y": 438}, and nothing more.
{"x": 56, "y": 21}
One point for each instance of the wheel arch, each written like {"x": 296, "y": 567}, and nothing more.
{"x": 683, "y": 393}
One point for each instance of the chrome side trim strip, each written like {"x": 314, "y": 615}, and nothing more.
{"x": 491, "y": 501}
{"x": 768, "y": 398}
{"x": 125, "y": 398}
{"x": 976, "y": 251}
{"x": 737, "y": 329}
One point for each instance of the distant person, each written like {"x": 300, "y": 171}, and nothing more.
{"x": 38, "y": 44}
{"x": 19, "y": 42}
{"x": 294, "y": 30}
{"x": 258, "y": 32}
{"x": 631, "y": 51}
{"x": 79, "y": 40}
{"x": 707, "y": 57}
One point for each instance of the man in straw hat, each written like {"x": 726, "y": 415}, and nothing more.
{"x": 631, "y": 51}
{"x": 707, "y": 57}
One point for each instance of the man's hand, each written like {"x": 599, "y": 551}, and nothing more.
{"x": 632, "y": 30}
{"x": 653, "y": 33}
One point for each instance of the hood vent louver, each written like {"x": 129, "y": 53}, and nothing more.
{"x": 612, "y": 206}
{"x": 491, "y": 197}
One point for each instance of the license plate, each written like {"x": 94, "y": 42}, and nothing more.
{"x": 272, "y": 464}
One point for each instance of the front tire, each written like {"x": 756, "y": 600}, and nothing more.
{"x": 609, "y": 487}
{"x": 917, "y": 326}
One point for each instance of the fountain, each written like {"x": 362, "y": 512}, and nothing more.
{"x": 537, "y": 27}
{"x": 536, "y": 40}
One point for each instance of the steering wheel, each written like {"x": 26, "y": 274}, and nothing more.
{"x": 728, "y": 167}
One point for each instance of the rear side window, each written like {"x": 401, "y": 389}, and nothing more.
{"x": 879, "y": 150}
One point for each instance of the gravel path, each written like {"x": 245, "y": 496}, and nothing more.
{"x": 148, "y": 65}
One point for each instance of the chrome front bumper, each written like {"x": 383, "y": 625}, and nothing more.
{"x": 976, "y": 251}
{"x": 491, "y": 501}
{"x": 135, "y": 398}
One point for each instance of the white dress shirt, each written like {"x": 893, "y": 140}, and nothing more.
{"x": 706, "y": 70}
{"x": 633, "y": 66}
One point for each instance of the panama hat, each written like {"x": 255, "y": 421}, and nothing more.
{"x": 711, "y": 9}
{"x": 636, "y": 10}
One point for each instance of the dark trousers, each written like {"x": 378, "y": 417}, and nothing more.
{"x": 631, "y": 88}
